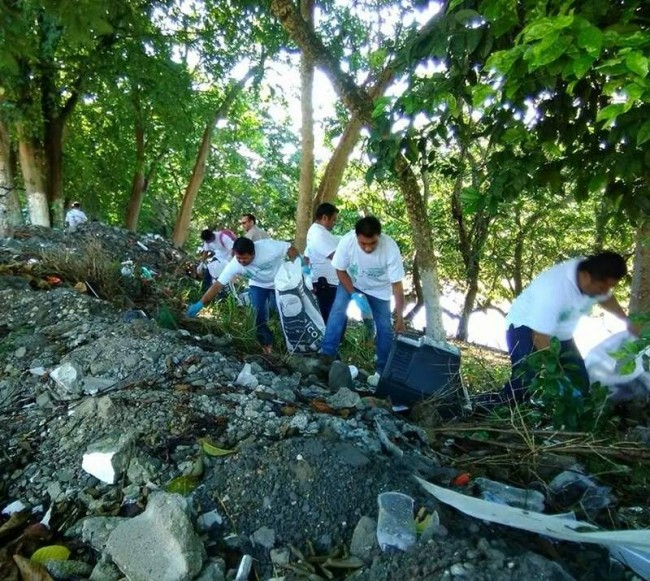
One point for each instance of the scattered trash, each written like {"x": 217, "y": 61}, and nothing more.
{"x": 145, "y": 248}
{"x": 246, "y": 377}
{"x": 133, "y": 314}
{"x": 537, "y": 522}
{"x": 395, "y": 523}
{"x": 12, "y": 507}
{"x": 128, "y": 268}
{"x": 571, "y": 487}
{"x": 638, "y": 561}
{"x": 244, "y": 568}
{"x": 510, "y": 495}
{"x": 373, "y": 380}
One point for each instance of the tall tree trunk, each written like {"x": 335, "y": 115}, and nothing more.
{"x": 182, "y": 225}
{"x": 53, "y": 151}
{"x": 640, "y": 289}
{"x": 139, "y": 183}
{"x": 331, "y": 180}
{"x": 360, "y": 103}
{"x": 7, "y": 185}
{"x": 31, "y": 166}
{"x": 306, "y": 183}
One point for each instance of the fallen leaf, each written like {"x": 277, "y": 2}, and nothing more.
{"x": 183, "y": 484}
{"x": 321, "y": 407}
{"x": 289, "y": 410}
{"x": 31, "y": 571}
{"x": 17, "y": 519}
{"x": 81, "y": 287}
{"x": 51, "y": 552}
{"x": 212, "y": 450}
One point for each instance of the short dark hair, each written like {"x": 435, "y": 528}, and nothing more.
{"x": 325, "y": 209}
{"x": 207, "y": 235}
{"x": 243, "y": 245}
{"x": 604, "y": 265}
{"x": 368, "y": 227}
{"x": 76, "y": 204}
{"x": 251, "y": 217}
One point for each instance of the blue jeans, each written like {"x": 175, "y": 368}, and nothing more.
{"x": 260, "y": 299}
{"x": 338, "y": 318}
{"x": 520, "y": 345}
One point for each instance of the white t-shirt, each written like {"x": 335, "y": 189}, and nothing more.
{"x": 221, "y": 246}
{"x": 75, "y": 216}
{"x": 269, "y": 256}
{"x": 552, "y": 303}
{"x": 321, "y": 243}
{"x": 372, "y": 273}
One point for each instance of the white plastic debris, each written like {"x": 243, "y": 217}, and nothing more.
{"x": 246, "y": 378}
{"x": 12, "y": 507}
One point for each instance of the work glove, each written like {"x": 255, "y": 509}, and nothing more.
{"x": 364, "y": 306}
{"x": 194, "y": 309}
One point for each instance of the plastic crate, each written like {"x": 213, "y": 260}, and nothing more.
{"x": 418, "y": 370}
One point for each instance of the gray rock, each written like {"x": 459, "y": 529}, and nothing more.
{"x": 264, "y": 537}
{"x": 339, "y": 376}
{"x": 94, "y": 385}
{"x": 215, "y": 570}
{"x": 344, "y": 398}
{"x": 105, "y": 570}
{"x": 67, "y": 569}
{"x": 364, "y": 539}
{"x": 107, "y": 458}
{"x": 159, "y": 544}
{"x": 95, "y": 530}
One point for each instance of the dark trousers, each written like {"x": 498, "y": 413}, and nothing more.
{"x": 325, "y": 294}
{"x": 520, "y": 345}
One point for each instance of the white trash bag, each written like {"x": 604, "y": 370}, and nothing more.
{"x": 302, "y": 323}
{"x": 606, "y": 369}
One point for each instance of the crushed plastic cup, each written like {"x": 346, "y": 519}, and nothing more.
{"x": 395, "y": 523}
{"x": 500, "y": 493}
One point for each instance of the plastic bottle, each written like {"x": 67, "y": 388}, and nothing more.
{"x": 510, "y": 495}
{"x": 395, "y": 523}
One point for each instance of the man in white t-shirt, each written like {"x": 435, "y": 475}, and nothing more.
{"x": 321, "y": 244}
{"x": 258, "y": 262}
{"x": 370, "y": 269}
{"x": 75, "y": 216}
{"x": 551, "y": 306}
{"x": 216, "y": 252}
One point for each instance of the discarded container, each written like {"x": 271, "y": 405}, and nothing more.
{"x": 417, "y": 369}
{"x": 571, "y": 487}
{"x": 512, "y": 496}
{"x": 395, "y": 523}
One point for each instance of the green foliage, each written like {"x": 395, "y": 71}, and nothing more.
{"x": 565, "y": 397}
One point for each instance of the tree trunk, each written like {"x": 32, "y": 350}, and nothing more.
{"x": 306, "y": 184}
{"x": 182, "y": 225}
{"x": 417, "y": 288}
{"x": 53, "y": 151}
{"x": 31, "y": 166}
{"x": 139, "y": 183}
{"x": 360, "y": 103}
{"x": 640, "y": 289}
{"x": 7, "y": 184}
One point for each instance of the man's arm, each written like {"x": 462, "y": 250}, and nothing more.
{"x": 398, "y": 295}
{"x": 345, "y": 280}
{"x": 293, "y": 253}
{"x": 212, "y": 292}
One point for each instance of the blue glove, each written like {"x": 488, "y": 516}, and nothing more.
{"x": 306, "y": 267}
{"x": 364, "y": 306}
{"x": 194, "y": 309}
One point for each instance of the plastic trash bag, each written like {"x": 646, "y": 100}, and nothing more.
{"x": 302, "y": 323}
{"x": 606, "y": 369}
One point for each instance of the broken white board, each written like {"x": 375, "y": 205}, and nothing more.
{"x": 535, "y": 522}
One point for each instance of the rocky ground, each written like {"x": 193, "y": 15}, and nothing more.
{"x": 211, "y": 468}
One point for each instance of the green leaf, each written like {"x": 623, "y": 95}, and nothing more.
{"x": 541, "y": 28}
{"x": 51, "y": 553}
{"x": 637, "y": 63}
{"x": 548, "y": 51}
{"x": 591, "y": 39}
{"x": 212, "y": 450}
{"x": 183, "y": 484}
{"x": 582, "y": 64}
{"x": 644, "y": 133}
{"x": 480, "y": 94}
{"x": 467, "y": 16}
{"x": 610, "y": 112}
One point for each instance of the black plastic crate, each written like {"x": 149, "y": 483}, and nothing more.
{"x": 416, "y": 370}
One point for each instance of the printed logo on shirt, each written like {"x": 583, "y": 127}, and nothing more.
{"x": 376, "y": 272}
{"x": 353, "y": 271}
{"x": 565, "y": 315}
